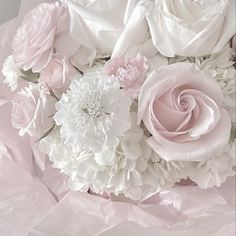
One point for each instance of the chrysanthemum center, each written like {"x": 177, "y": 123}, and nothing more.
{"x": 91, "y": 106}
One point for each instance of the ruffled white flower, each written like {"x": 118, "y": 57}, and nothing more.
{"x": 93, "y": 113}
{"x": 11, "y": 72}
{"x": 215, "y": 171}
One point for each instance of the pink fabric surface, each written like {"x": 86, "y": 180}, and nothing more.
{"x": 35, "y": 201}
{"x": 181, "y": 211}
{"x": 23, "y": 198}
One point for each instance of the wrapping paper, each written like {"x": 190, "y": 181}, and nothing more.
{"x": 35, "y": 201}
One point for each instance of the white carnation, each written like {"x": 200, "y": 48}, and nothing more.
{"x": 93, "y": 113}
{"x": 11, "y": 72}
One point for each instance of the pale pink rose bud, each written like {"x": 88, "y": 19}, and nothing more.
{"x": 58, "y": 74}
{"x": 183, "y": 110}
{"x": 33, "y": 43}
{"x": 32, "y": 111}
{"x": 130, "y": 72}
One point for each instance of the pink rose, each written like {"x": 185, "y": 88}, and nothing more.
{"x": 130, "y": 72}
{"x": 33, "y": 43}
{"x": 32, "y": 111}
{"x": 57, "y": 74}
{"x": 182, "y": 109}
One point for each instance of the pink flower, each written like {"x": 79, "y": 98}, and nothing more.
{"x": 182, "y": 109}
{"x": 33, "y": 43}
{"x": 130, "y": 72}
{"x": 32, "y": 110}
{"x": 57, "y": 74}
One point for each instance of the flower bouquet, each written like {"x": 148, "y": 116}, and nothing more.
{"x": 124, "y": 100}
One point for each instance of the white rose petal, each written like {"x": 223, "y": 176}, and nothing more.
{"x": 191, "y": 28}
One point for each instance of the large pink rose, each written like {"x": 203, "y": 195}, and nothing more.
{"x": 58, "y": 74}
{"x": 32, "y": 111}
{"x": 130, "y": 72}
{"x": 182, "y": 109}
{"x": 33, "y": 43}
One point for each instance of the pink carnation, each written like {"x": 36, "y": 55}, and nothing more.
{"x": 130, "y": 72}
{"x": 33, "y": 43}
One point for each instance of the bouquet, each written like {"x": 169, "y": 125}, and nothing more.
{"x": 126, "y": 100}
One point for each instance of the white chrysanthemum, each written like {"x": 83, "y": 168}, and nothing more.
{"x": 214, "y": 171}
{"x": 11, "y": 72}
{"x": 93, "y": 113}
{"x": 130, "y": 168}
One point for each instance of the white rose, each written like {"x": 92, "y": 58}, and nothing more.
{"x": 101, "y": 26}
{"x": 191, "y": 28}
{"x": 32, "y": 110}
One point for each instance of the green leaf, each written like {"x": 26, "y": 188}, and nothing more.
{"x": 29, "y": 76}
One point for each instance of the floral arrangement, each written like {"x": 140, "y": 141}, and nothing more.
{"x": 128, "y": 98}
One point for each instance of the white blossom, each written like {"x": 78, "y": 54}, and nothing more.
{"x": 11, "y": 72}
{"x": 93, "y": 113}
{"x": 130, "y": 167}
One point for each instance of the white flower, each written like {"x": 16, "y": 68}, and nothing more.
{"x": 168, "y": 173}
{"x": 107, "y": 172}
{"x": 191, "y": 28}
{"x": 32, "y": 110}
{"x": 130, "y": 168}
{"x": 215, "y": 171}
{"x": 93, "y": 113}
{"x": 11, "y": 72}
